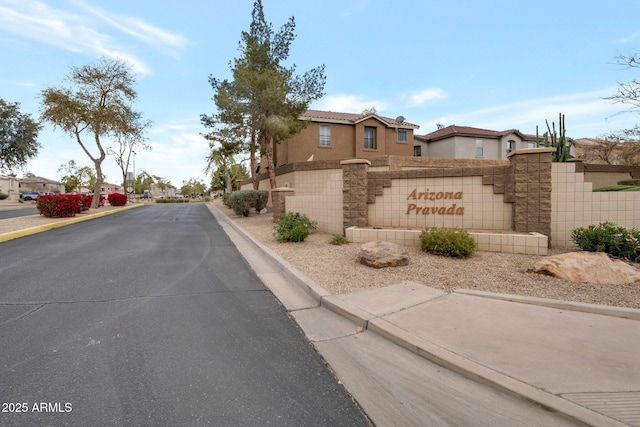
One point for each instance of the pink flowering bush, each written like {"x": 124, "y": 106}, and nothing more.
{"x": 58, "y": 205}
{"x": 117, "y": 199}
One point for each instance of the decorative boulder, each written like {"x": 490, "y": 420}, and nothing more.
{"x": 588, "y": 267}
{"x": 383, "y": 254}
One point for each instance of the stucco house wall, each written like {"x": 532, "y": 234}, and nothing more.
{"x": 347, "y": 138}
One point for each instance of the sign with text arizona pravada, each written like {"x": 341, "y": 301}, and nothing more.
{"x": 434, "y": 203}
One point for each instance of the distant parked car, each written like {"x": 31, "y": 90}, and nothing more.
{"x": 29, "y": 195}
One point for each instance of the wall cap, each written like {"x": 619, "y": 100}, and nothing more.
{"x": 283, "y": 189}
{"x": 532, "y": 151}
{"x": 355, "y": 162}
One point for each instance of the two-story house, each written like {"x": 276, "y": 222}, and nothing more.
{"x": 338, "y": 136}
{"x": 464, "y": 142}
{"x": 40, "y": 185}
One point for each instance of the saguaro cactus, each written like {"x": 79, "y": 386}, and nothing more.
{"x": 560, "y": 142}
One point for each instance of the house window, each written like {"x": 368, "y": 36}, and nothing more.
{"x": 325, "y": 136}
{"x": 479, "y": 148}
{"x": 511, "y": 145}
{"x": 402, "y": 136}
{"x": 531, "y": 145}
{"x": 417, "y": 151}
{"x": 370, "y": 138}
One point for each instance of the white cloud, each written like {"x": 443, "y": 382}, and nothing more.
{"x": 425, "y": 95}
{"x": 155, "y": 37}
{"x": 75, "y": 32}
{"x": 344, "y": 103}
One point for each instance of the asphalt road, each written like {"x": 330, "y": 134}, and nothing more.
{"x": 18, "y": 211}
{"x": 151, "y": 317}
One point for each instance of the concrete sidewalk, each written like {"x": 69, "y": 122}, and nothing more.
{"x": 580, "y": 360}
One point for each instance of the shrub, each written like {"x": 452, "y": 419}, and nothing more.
{"x": 293, "y": 227}
{"x": 242, "y": 201}
{"x": 3, "y": 196}
{"x": 338, "y": 240}
{"x": 635, "y": 182}
{"x": 225, "y": 199}
{"x": 58, "y": 205}
{"x": 617, "y": 188}
{"x": 453, "y": 242}
{"x": 609, "y": 238}
{"x": 172, "y": 200}
{"x": 117, "y": 199}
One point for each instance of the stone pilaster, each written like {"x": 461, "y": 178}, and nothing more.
{"x": 529, "y": 188}
{"x": 278, "y": 201}
{"x": 354, "y": 192}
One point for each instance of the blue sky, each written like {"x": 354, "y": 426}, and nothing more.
{"x": 492, "y": 64}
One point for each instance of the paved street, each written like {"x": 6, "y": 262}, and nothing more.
{"x": 16, "y": 211}
{"x": 150, "y": 317}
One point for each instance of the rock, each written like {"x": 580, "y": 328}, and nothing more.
{"x": 383, "y": 254}
{"x": 588, "y": 267}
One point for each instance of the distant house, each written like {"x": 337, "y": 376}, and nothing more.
{"x": 599, "y": 151}
{"x": 157, "y": 192}
{"x": 464, "y": 142}
{"x": 9, "y": 185}
{"x": 338, "y": 136}
{"x": 40, "y": 185}
{"x": 107, "y": 188}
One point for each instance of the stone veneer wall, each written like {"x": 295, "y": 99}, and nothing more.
{"x": 528, "y": 195}
{"x": 354, "y": 192}
{"x": 529, "y": 189}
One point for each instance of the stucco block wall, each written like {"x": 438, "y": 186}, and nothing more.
{"x": 320, "y": 198}
{"x": 602, "y": 179}
{"x": 574, "y": 204}
{"x": 476, "y": 208}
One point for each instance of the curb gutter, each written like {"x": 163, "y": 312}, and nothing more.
{"x": 442, "y": 356}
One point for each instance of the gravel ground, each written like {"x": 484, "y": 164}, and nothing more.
{"x": 336, "y": 268}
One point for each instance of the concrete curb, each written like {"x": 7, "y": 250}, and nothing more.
{"x": 487, "y": 376}
{"x": 50, "y": 226}
{"x": 316, "y": 291}
{"x": 625, "y": 313}
{"x": 432, "y": 352}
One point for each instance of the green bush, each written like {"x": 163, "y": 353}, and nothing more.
{"x": 338, "y": 240}
{"x": 225, "y": 199}
{"x": 635, "y": 182}
{"x": 293, "y": 227}
{"x": 242, "y": 201}
{"x": 609, "y": 238}
{"x": 453, "y": 242}
{"x": 618, "y": 188}
{"x": 172, "y": 200}
{"x": 3, "y": 196}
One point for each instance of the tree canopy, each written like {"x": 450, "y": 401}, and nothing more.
{"x": 97, "y": 103}
{"x": 18, "y": 136}
{"x": 265, "y": 98}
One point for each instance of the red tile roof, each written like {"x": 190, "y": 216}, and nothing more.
{"x": 454, "y": 130}
{"x": 352, "y": 118}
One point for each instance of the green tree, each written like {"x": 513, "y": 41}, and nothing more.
{"x": 193, "y": 188}
{"x": 98, "y": 103}
{"x": 18, "y": 136}
{"x": 225, "y": 147}
{"x": 75, "y": 177}
{"x": 143, "y": 182}
{"x": 264, "y": 94}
